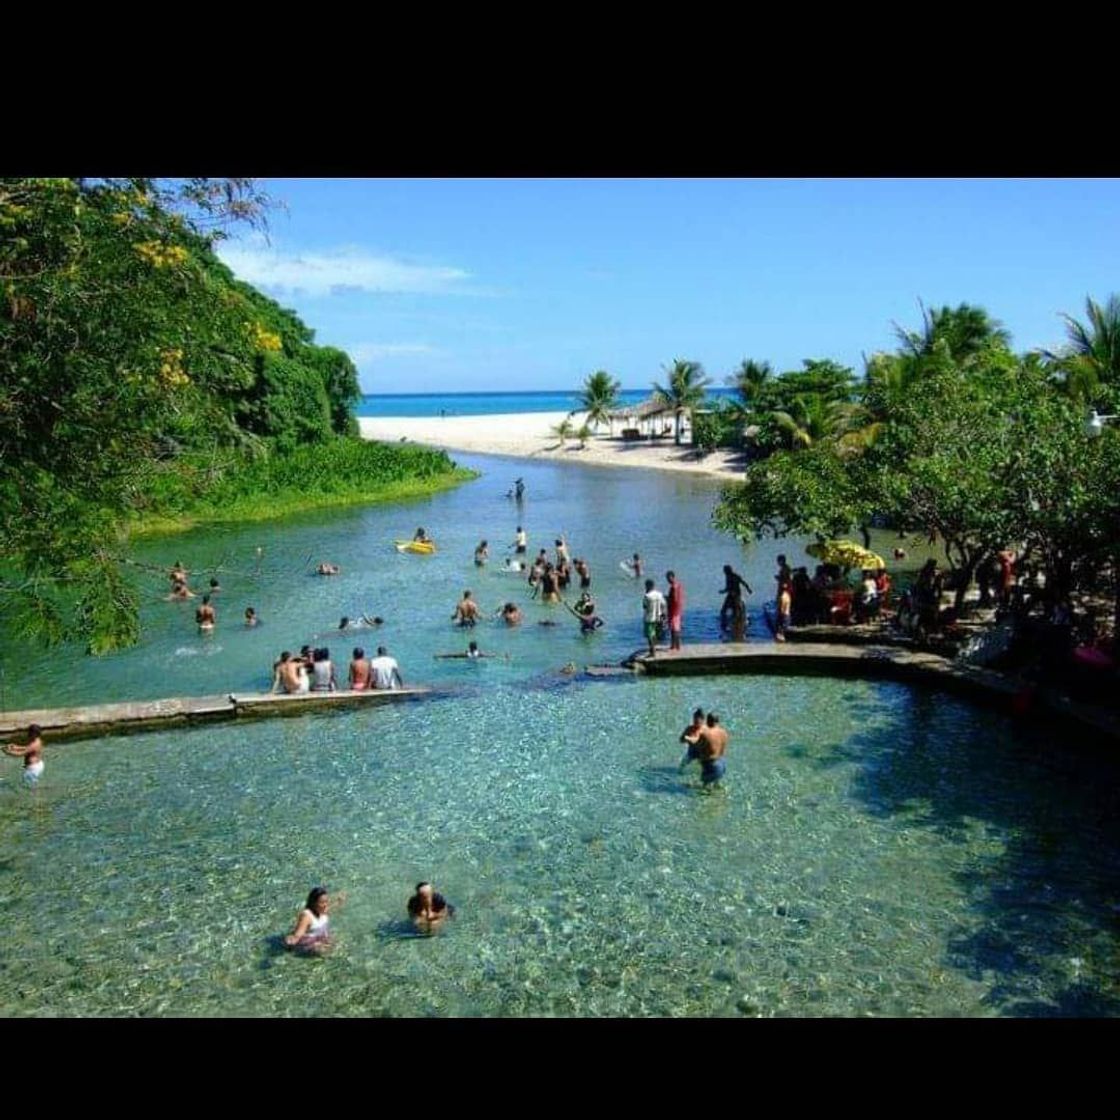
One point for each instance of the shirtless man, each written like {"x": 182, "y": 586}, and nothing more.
{"x": 205, "y": 616}
{"x": 733, "y": 606}
{"x": 583, "y": 572}
{"x": 179, "y": 590}
{"x": 32, "y": 755}
{"x": 563, "y": 556}
{"x": 359, "y": 670}
{"x": 466, "y": 612}
{"x": 711, "y": 740}
{"x": 178, "y": 573}
{"x": 288, "y": 674}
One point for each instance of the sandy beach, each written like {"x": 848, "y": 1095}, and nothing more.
{"x": 529, "y": 435}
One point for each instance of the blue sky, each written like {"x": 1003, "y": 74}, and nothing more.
{"x": 446, "y": 285}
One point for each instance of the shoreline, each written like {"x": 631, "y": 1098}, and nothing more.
{"x": 529, "y": 435}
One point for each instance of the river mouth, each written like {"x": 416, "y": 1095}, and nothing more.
{"x": 877, "y": 850}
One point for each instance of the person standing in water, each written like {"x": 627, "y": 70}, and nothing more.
{"x": 481, "y": 554}
{"x": 520, "y": 541}
{"x": 690, "y": 736}
{"x": 466, "y": 611}
{"x": 32, "y": 755}
{"x": 733, "y": 606}
{"x": 205, "y": 616}
{"x": 711, "y": 742}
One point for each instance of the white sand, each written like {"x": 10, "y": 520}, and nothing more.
{"x": 529, "y": 435}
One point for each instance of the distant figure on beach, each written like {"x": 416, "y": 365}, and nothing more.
{"x": 784, "y": 573}
{"x": 327, "y": 569}
{"x": 733, "y": 607}
{"x": 520, "y": 541}
{"x": 511, "y": 614}
{"x": 428, "y": 909}
{"x": 360, "y": 672}
{"x": 251, "y": 616}
{"x": 634, "y": 566}
{"x": 690, "y": 736}
{"x": 32, "y": 755}
{"x": 466, "y": 611}
{"x": 653, "y": 615}
{"x": 481, "y": 554}
{"x": 711, "y": 741}
{"x": 675, "y": 608}
{"x": 290, "y": 674}
{"x": 386, "y": 671}
{"x": 785, "y": 609}
{"x": 311, "y": 933}
{"x": 205, "y": 616}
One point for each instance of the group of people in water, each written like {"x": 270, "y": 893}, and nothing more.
{"x": 427, "y": 910}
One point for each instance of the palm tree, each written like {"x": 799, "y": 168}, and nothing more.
{"x": 599, "y": 397}
{"x": 563, "y": 430}
{"x": 752, "y": 379}
{"x": 1091, "y": 360}
{"x": 583, "y": 434}
{"x": 812, "y": 419}
{"x": 685, "y": 390}
{"x": 967, "y": 331}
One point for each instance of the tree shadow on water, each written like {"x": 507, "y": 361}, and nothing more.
{"x": 1047, "y": 937}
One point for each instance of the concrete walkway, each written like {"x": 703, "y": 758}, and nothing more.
{"x": 151, "y": 715}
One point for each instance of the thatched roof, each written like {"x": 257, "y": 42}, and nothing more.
{"x": 642, "y": 411}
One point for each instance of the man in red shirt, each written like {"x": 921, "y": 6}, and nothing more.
{"x": 676, "y": 609}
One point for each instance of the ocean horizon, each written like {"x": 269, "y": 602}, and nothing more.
{"x": 496, "y": 402}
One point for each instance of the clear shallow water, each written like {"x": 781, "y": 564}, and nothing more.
{"x": 877, "y": 851}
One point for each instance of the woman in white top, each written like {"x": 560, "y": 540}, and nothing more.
{"x": 312, "y": 929}
{"x": 322, "y": 672}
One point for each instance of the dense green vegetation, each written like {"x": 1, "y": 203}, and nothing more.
{"x": 139, "y": 377}
{"x": 953, "y": 434}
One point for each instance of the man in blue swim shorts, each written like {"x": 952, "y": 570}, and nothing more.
{"x": 713, "y": 747}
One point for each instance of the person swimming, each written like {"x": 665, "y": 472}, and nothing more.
{"x": 32, "y": 755}
{"x": 511, "y": 614}
{"x": 251, "y": 616}
{"x": 473, "y": 653}
{"x": 481, "y": 554}
{"x": 327, "y": 569}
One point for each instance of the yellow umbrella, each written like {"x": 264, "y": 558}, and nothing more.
{"x": 848, "y": 554}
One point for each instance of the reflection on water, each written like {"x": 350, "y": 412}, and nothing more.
{"x": 876, "y": 850}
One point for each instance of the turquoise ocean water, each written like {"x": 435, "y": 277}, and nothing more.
{"x": 490, "y": 404}
{"x": 877, "y": 850}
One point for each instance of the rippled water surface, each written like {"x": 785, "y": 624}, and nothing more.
{"x": 876, "y": 850}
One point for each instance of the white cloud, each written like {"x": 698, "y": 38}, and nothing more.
{"x": 364, "y": 352}
{"x": 336, "y": 271}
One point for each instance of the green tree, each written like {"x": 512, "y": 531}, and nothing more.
{"x": 599, "y": 397}
{"x": 1089, "y": 366}
{"x": 683, "y": 391}
{"x": 753, "y": 381}
{"x": 968, "y": 331}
